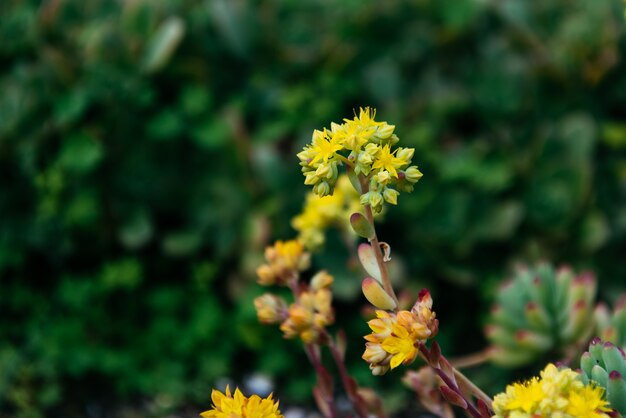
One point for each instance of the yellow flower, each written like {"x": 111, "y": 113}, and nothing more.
{"x": 357, "y": 132}
{"x": 400, "y": 345}
{"x": 588, "y": 403}
{"x": 239, "y": 406}
{"x": 324, "y": 146}
{"x": 556, "y": 393}
{"x": 394, "y": 339}
{"x": 385, "y": 160}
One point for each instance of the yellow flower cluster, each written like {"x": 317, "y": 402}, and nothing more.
{"x": 239, "y": 406}
{"x": 284, "y": 261}
{"x": 368, "y": 145}
{"x": 395, "y": 336}
{"x": 558, "y": 393}
{"x": 321, "y": 212}
{"x": 312, "y": 312}
{"x": 307, "y": 317}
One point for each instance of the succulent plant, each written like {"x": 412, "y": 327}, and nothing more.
{"x": 541, "y": 310}
{"x": 612, "y": 326}
{"x": 605, "y": 364}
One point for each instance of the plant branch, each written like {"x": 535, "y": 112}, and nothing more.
{"x": 449, "y": 381}
{"x": 323, "y": 380}
{"x": 376, "y": 245}
{"x": 349, "y": 383}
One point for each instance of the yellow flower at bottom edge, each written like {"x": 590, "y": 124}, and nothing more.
{"x": 558, "y": 393}
{"x": 239, "y": 406}
{"x": 588, "y": 403}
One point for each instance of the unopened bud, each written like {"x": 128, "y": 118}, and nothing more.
{"x": 385, "y": 131}
{"x": 413, "y": 174}
{"x": 321, "y": 280}
{"x": 322, "y": 189}
{"x": 405, "y": 154}
{"x": 376, "y": 199}
{"x": 270, "y": 309}
{"x": 391, "y": 195}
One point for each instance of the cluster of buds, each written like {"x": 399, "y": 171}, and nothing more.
{"x": 541, "y": 310}
{"x": 306, "y": 318}
{"x": 396, "y": 336}
{"x": 367, "y": 145}
{"x": 319, "y": 213}
{"x": 284, "y": 261}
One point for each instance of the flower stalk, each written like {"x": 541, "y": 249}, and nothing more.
{"x": 386, "y": 282}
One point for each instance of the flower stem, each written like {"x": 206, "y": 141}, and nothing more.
{"x": 349, "y": 384}
{"x": 449, "y": 381}
{"x": 376, "y": 245}
{"x": 323, "y": 380}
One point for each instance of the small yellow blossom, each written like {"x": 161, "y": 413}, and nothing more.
{"x": 324, "y": 146}
{"x": 239, "y": 406}
{"x": 386, "y": 160}
{"x": 556, "y": 393}
{"x": 395, "y": 337}
{"x": 357, "y": 132}
{"x": 400, "y": 345}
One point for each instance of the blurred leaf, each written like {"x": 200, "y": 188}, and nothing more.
{"x": 81, "y": 152}
{"x": 163, "y": 44}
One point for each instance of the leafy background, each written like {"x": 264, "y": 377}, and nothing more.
{"x": 147, "y": 155}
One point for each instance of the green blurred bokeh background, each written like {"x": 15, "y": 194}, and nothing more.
{"x": 147, "y": 155}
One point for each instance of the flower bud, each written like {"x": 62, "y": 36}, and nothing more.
{"x": 321, "y": 280}
{"x": 405, "y": 154}
{"x": 413, "y": 174}
{"x": 266, "y": 276}
{"x": 391, "y": 195}
{"x": 311, "y": 179}
{"x": 270, "y": 309}
{"x": 322, "y": 189}
{"x": 365, "y": 158}
{"x": 382, "y": 177}
{"x": 376, "y": 199}
{"x": 385, "y": 131}
{"x": 324, "y": 170}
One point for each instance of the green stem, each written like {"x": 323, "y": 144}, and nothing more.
{"x": 376, "y": 245}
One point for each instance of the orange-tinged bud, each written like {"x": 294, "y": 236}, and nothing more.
{"x": 266, "y": 276}
{"x": 270, "y": 309}
{"x": 321, "y": 280}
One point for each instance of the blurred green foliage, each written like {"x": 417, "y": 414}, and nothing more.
{"x": 147, "y": 153}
